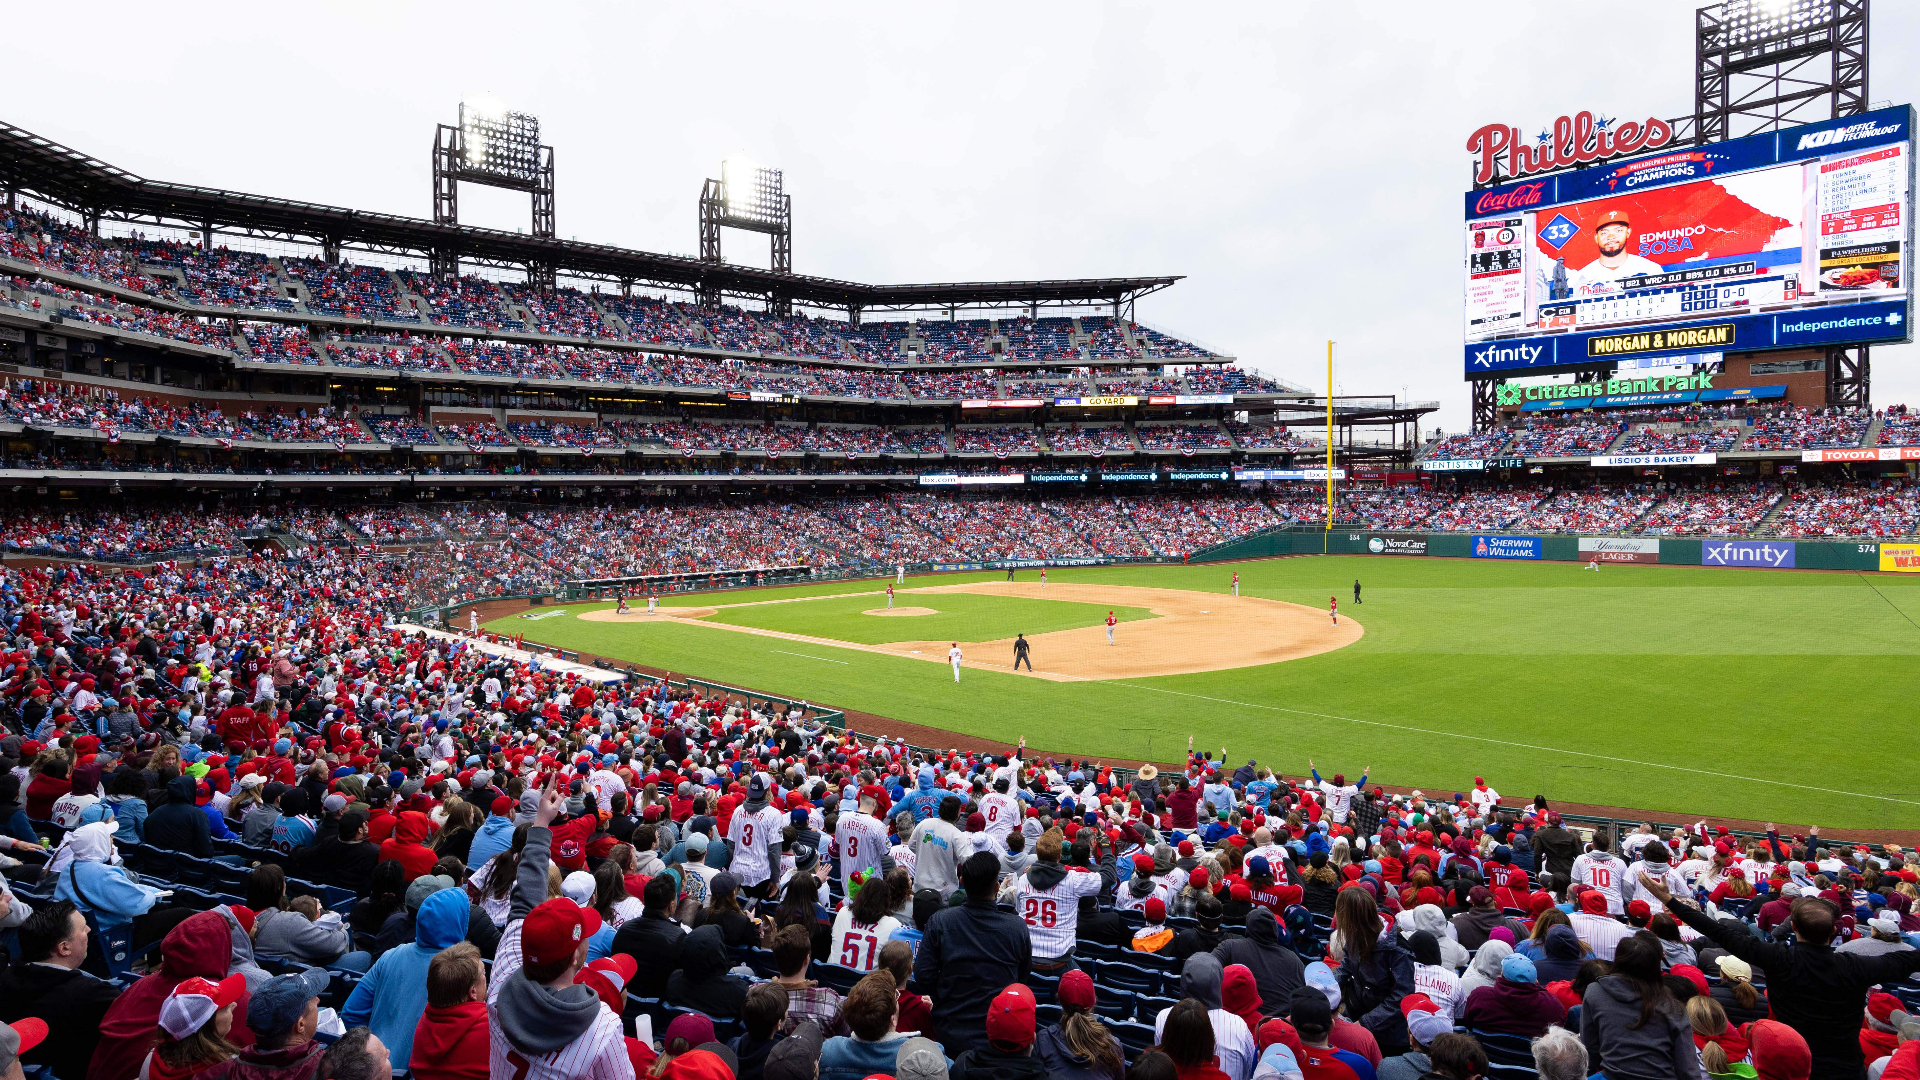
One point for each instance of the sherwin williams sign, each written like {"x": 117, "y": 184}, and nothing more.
{"x": 1507, "y": 547}
{"x": 1900, "y": 558}
{"x": 1770, "y": 554}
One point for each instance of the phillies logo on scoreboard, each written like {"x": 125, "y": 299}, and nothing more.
{"x": 1573, "y": 140}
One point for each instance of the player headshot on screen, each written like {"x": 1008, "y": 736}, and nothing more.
{"x": 1612, "y": 234}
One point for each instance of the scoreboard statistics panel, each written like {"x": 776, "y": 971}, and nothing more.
{"x": 1806, "y": 220}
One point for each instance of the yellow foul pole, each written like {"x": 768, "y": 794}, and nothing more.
{"x": 1329, "y": 527}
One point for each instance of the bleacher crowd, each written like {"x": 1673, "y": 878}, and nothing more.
{"x": 253, "y": 829}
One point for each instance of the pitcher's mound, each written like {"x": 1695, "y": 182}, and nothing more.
{"x": 900, "y": 611}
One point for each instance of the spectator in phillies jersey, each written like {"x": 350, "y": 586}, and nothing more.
{"x": 969, "y": 954}
{"x": 545, "y": 1026}
{"x": 1603, "y": 871}
{"x": 862, "y": 840}
{"x": 755, "y": 833}
{"x": 1048, "y": 896}
{"x": 862, "y": 926}
{"x": 1312, "y": 1017}
{"x": 1200, "y": 984}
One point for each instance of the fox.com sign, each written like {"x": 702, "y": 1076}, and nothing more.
{"x": 1508, "y": 547}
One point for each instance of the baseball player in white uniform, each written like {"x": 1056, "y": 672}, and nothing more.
{"x": 1236, "y": 583}
{"x": 953, "y": 657}
{"x": 900, "y": 574}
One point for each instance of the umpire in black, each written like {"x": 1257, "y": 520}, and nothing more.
{"x": 1020, "y": 649}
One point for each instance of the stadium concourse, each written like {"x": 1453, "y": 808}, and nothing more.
{"x": 237, "y": 785}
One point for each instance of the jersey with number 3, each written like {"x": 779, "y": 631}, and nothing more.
{"x": 753, "y": 837}
{"x": 1052, "y": 915}
{"x": 862, "y": 840}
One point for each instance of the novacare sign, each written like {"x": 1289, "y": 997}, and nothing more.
{"x": 1617, "y": 460}
{"x": 1772, "y": 555}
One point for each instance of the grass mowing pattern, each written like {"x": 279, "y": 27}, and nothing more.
{"x": 1771, "y": 695}
{"x": 962, "y": 617}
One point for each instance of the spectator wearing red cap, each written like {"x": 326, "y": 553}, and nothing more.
{"x": 195, "y": 1020}
{"x": 1008, "y": 1052}
{"x": 1155, "y": 935}
{"x": 407, "y": 847}
{"x": 537, "y": 1013}
{"x": 1078, "y": 1045}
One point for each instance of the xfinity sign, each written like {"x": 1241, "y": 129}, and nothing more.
{"x": 1508, "y": 356}
{"x": 1770, "y": 555}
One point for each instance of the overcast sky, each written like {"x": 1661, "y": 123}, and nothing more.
{"x": 1302, "y": 166}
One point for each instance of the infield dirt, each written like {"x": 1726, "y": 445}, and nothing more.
{"x": 1191, "y": 632}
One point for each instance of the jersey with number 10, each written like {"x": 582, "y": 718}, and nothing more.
{"x": 862, "y": 840}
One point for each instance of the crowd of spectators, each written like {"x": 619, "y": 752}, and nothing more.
{"x": 273, "y": 343}
{"x": 1714, "y": 509}
{"x": 1478, "y": 445}
{"x": 525, "y": 860}
{"x": 354, "y": 292}
{"x": 1688, "y": 440}
{"x": 400, "y": 353}
{"x": 1574, "y": 438}
{"x": 1595, "y": 509}
{"x": 1899, "y": 427}
{"x": 1882, "y": 508}
{"x": 1185, "y": 436}
{"x": 480, "y": 433}
{"x": 1481, "y": 509}
{"x": 217, "y": 278}
{"x": 462, "y": 301}
{"x": 1088, "y": 438}
{"x": 1808, "y": 429}
{"x": 1263, "y": 436}
{"x": 999, "y": 439}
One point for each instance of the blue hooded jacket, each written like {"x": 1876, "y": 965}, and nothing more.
{"x": 925, "y": 800}
{"x": 393, "y": 996}
{"x": 494, "y": 837}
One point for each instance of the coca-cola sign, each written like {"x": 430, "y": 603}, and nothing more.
{"x": 1574, "y": 140}
{"x": 1515, "y": 198}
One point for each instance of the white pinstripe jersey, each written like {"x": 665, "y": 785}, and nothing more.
{"x": 598, "y": 1054}
{"x": 1002, "y": 813}
{"x": 1053, "y": 915}
{"x": 862, "y": 840}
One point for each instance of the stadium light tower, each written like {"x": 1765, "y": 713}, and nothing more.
{"x": 497, "y": 147}
{"x": 753, "y": 198}
{"x": 1761, "y": 65}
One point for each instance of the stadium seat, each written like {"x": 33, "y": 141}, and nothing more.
{"x": 1134, "y": 1036}
{"x": 1124, "y": 976}
{"x": 1147, "y": 1007}
{"x": 837, "y": 978}
{"x": 1509, "y": 1057}
{"x": 1112, "y": 1004}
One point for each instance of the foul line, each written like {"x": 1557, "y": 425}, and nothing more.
{"x": 808, "y": 656}
{"x": 1876, "y": 591}
{"x": 1505, "y": 742}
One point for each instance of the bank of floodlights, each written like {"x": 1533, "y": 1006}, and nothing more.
{"x": 499, "y": 143}
{"x": 1749, "y": 22}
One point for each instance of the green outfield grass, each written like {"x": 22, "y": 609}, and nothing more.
{"x": 1779, "y": 695}
{"x": 962, "y": 617}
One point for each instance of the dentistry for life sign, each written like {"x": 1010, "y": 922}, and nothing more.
{"x": 1767, "y": 554}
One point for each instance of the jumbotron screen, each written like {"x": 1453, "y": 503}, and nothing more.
{"x": 1795, "y": 237}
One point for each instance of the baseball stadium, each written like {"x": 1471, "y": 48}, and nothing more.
{"x": 447, "y": 651}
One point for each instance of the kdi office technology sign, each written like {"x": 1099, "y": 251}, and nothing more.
{"x": 1770, "y": 554}
{"x": 1507, "y": 547}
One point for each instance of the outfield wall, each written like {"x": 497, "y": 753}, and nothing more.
{"x": 1677, "y": 551}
